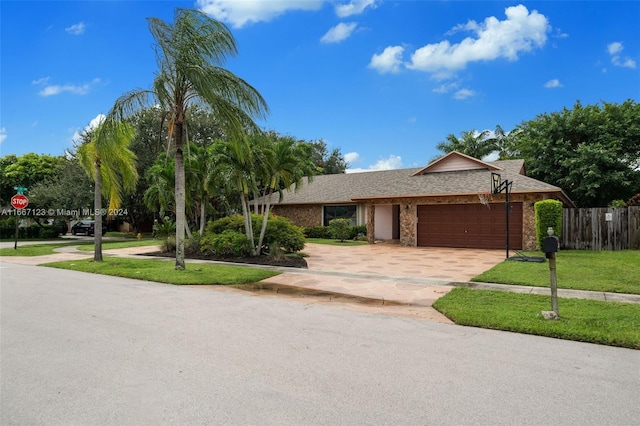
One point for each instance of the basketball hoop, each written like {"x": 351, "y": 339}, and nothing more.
{"x": 484, "y": 197}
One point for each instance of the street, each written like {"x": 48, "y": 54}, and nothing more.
{"x": 86, "y": 349}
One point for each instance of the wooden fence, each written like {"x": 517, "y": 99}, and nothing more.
{"x": 601, "y": 228}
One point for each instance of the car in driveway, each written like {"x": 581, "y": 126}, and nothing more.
{"x": 86, "y": 227}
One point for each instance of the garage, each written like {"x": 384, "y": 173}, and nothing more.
{"x": 469, "y": 226}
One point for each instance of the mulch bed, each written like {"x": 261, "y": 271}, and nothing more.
{"x": 290, "y": 262}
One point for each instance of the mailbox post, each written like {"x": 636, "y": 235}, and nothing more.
{"x": 550, "y": 246}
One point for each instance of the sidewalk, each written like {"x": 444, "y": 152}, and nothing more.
{"x": 411, "y": 276}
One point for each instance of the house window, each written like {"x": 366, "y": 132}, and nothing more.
{"x": 340, "y": 212}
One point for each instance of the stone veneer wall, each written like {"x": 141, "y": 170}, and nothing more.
{"x": 301, "y": 215}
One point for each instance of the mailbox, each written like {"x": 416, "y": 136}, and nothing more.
{"x": 550, "y": 245}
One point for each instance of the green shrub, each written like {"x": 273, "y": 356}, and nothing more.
{"x": 165, "y": 231}
{"x": 280, "y": 231}
{"x": 357, "y": 231}
{"x": 192, "y": 245}
{"x": 61, "y": 225}
{"x": 340, "y": 229}
{"x": 317, "y": 232}
{"x": 47, "y": 231}
{"x": 548, "y": 214}
{"x": 228, "y": 243}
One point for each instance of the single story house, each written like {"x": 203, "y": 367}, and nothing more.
{"x": 445, "y": 204}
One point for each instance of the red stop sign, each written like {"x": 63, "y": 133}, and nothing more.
{"x": 19, "y": 201}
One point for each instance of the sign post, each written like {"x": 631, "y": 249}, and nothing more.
{"x": 18, "y": 202}
{"x": 550, "y": 246}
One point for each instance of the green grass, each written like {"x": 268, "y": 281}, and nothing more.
{"x": 126, "y": 235}
{"x": 335, "y": 242}
{"x": 612, "y": 271}
{"x": 34, "y": 249}
{"x": 163, "y": 271}
{"x": 110, "y": 245}
{"x": 607, "y": 323}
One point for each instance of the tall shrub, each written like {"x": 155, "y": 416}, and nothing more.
{"x": 548, "y": 214}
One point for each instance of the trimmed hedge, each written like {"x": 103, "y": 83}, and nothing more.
{"x": 548, "y": 214}
{"x": 325, "y": 232}
{"x": 35, "y": 231}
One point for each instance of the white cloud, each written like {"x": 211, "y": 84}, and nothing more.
{"x": 351, "y": 157}
{"x": 615, "y": 47}
{"x": 3, "y": 134}
{"x": 56, "y": 89}
{"x": 614, "y": 50}
{"x": 553, "y": 84}
{"x": 464, "y": 94}
{"x": 239, "y": 13}
{"x": 354, "y": 7}
{"x": 388, "y": 61}
{"x": 446, "y": 88}
{"x": 522, "y": 31}
{"x": 391, "y": 163}
{"x": 338, "y": 33}
{"x": 76, "y": 29}
{"x": 93, "y": 124}
{"x": 43, "y": 80}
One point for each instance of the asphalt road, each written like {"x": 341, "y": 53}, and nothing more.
{"x": 81, "y": 349}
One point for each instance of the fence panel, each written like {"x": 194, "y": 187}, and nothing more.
{"x": 601, "y": 228}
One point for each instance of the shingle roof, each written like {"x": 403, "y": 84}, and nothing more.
{"x": 350, "y": 187}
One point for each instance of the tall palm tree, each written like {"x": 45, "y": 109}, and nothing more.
{"x": 473, "y": 143}
{"x": 107, "y": 159}
{"x": 234, "y": 163}
{"x": 286, "y": 164}
{"x": 190, "y": 53}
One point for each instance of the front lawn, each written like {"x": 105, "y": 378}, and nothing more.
{"x": 163, "y": 271}
{"x": 34, "y": 249}
{"x": 110, "y": 245}
{"x": 611, "y": 271}
{"x": 333, "y": 242}
{"x": 607, "y": 323}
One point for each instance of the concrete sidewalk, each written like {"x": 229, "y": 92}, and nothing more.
{"x": 384, "y": 272}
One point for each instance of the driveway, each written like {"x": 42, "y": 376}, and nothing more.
{"x": 393, "y": 260}
{"x": 416, "y": 276}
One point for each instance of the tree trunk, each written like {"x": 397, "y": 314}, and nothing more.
{"x": 97, "y": 215}
{"x": 265, "y": 219}
{"x": 248, "y": 226}
{"x": 180, "y": 197}
{"x": 203, "y": 217}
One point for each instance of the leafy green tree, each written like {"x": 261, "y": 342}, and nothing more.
{"x": 68, "y": 189}
{"x": 25, "y": 171}
{"x": 106, "y": 158}
{"x": 592, "y": 152}
{"x": 190, "y": 53}
{"x": 328, "y": 163}
{"x": 472, "y": 143}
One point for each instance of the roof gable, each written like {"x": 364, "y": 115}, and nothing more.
{"x": 454, "y": 162}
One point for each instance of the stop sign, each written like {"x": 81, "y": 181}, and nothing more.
{"x": 19, "y": 201}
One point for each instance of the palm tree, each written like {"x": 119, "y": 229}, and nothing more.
{"x": 190, "y": 54}
{"x": 160, "y": 195}
{"x": 234, "y": 163}
{"x": 107, "y": 159}
{"x": 286, "y": 163}
{"x": 472, "y": 143}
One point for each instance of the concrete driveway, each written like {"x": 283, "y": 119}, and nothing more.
{"x": 387, "y": 272}
{"x": 393, "y": 260}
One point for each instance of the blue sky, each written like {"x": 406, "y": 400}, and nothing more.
{"x": 383, "y": 81}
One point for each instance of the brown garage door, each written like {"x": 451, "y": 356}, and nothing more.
{"x": 469, "y": 226}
